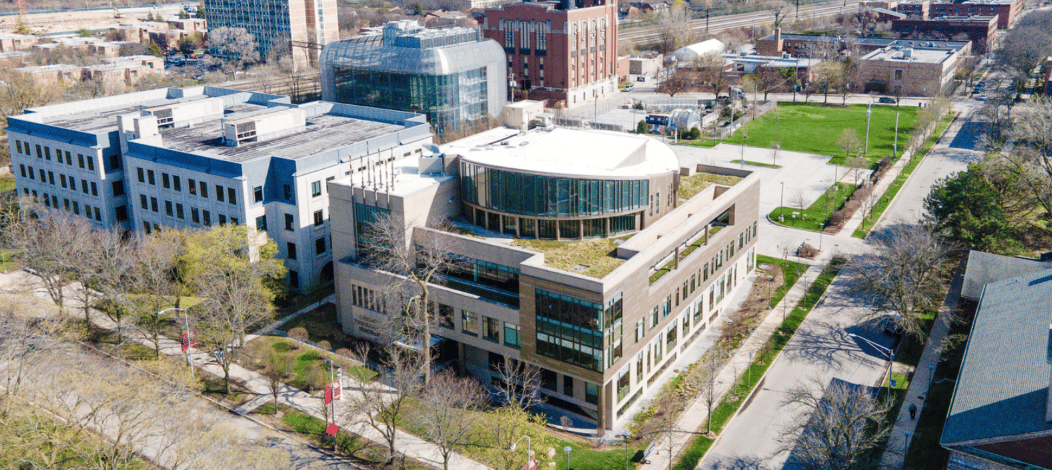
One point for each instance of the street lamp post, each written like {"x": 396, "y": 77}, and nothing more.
{"x": 931, "y": 374}
{"x": 186, "y": 324}
{"x": 906, "y": 448}
{"x": 781, "y": 202}
{"x": 567, "y": 449}
{"x": 869, "y": 113}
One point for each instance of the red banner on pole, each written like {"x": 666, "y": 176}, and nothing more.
{"x": 332, "y": 429}
{"x": 530, "y": 465}
{"x": 188, "y": 341}
{"x": 328, "y": 394}
{"x": 337, "y": 391}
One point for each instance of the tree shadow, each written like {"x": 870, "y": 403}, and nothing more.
{"x": 824, "y": 344}
{"x": 740, "y": 463}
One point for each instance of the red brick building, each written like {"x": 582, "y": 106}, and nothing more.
{"x": 564, "y": 51}
{"x": 1006, "y": 10}
{"x": 978, "y": 29}
{"x": 914, "y": 9}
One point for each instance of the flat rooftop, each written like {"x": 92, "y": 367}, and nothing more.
{"x": 915, "y": 55}
{"x": 322, "y": 133}
{"x": 878, "y": 42}
{"x": 105, "y": 119}
{"x": 569, "y": 152}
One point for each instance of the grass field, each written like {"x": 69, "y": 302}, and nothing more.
{"x": 889, "y": 195}
{"x": 791, "y": 271}
{"x": 814, "y": 128}
{"x": 818, "y": 213}
{"x": 7, "y": 183}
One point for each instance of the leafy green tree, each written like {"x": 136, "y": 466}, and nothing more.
{"x": 966, "y": 207}
{"x": 154, "y": 50}
{"x": 641, "y": 128}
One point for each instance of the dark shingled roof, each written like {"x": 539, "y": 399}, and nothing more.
{"x": 1002, "y": 387}
{"x": 984, "y": 268}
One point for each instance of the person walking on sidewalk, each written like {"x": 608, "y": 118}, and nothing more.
{"x": 913, "y": 411}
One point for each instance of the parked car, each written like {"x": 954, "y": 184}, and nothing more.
{"x": 982, "y": 97}
{"x": 892, "y": 325}
{"x": 629, "y": 87}
{"x": 886, "y": 100}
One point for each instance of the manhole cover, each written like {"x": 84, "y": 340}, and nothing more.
{"x": 580, "y": 268}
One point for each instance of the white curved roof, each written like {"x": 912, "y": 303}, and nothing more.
{"x": 699, "y": 49}
{"x": 568, "y": 152}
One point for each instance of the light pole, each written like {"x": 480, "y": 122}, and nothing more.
{"x": 781, "y": 202}
{"x": 884, "y": 349}
{"x": 821, "y": 228}
{"x": 750, "y": 369}
{"x": 626, "y": 436}
{"x": 931, "y": 374}
{"x": 906, "y": 448}
{"x": 869, "y": 113}
{"x": 567, "y": 449}
{"x": 186, "y": 324}
{"x": 332, "y": 393}
{"x": 529, "y": 451}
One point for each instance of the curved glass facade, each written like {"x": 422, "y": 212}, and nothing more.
{"x": 528, "y": 194}
{"x": 451, "y": 75}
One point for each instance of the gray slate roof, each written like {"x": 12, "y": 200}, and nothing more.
{"x": 984, "y": 268}
{"x": 1004, "y": 379}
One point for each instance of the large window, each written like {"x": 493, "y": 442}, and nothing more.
{"x": 483, "y": 278}
{"x": 364, "y": 217}
{"x": 511, "y": 335}
{"x": 568, "y": 330}
{"x": 548, "y": 196}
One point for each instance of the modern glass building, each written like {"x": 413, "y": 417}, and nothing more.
{"x": 451, "y": 75}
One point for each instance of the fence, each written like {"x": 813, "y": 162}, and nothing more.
{"x": 579, "y": 123}
{"x": 761, "y": 109}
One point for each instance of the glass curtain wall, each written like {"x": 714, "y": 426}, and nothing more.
{"x": 568, "y": 330}
{"x": 549, "y": 196}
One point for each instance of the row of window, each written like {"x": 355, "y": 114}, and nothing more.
{"x": 469, "y": 324}
{"x": 70, "y": 183}
{"x": 82, "y": 161}
{"x": 72, "y": 206}
{"x": 176, "y": 209}
{"x": 197, "y": 188}
{"x": 319, "y": 248}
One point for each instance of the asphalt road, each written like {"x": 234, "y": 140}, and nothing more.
{"x": 822, "y": 348}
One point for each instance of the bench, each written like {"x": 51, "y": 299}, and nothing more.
{"x": 647, "y": 451}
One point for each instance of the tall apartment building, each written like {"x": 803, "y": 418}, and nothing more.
{"x": 196, "y": 157}
{"x": 303, "y": 26}
{"x": 452, "y": 75}
{"x": 605, "y": 331}
{"x": 565, "y": 51}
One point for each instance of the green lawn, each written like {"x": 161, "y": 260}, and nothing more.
{"x": 889, "y": 195}
{"x": 7, "y": 183}
{"x": 791, "y": 271}
{"x": 814, "y": 128}
{"x": 309, "y": 369}
{"x": 732, "y": 401}
{"x": 765, "y": 165}
{"x": 820, "y": 210}
{"x": 592, "y": 258}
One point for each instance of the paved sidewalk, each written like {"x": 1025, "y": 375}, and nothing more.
{"x": 696, "y": 413}
{"x": 895, "y": 451}
{"x": 412, "y": 446}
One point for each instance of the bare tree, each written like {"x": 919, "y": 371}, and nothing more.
{"x": 415, "y": 260}
{"x": 382, "y": 404}
{"x": 839, "y": 428}
{"x": 848, "y": 141}
{"x": 712, "y": 71}
{"x": 775, "y": 146}
{"x": 20, "y": 92}
{"x": 797, "y": 200}
{"x": 902, "y": 274}
{"x": 856, "y": 162}
{"x": 673, "y": 29}
{"x": 705, "y": 379}
{"x": 153, "y": 281}
{"x": 829, "y": 74}
{"x": 519, "y": 385}
{"x": 683, "y": 80}
{"x": 779, "y": 10}
{"x": 449, "y": 412}
{"x": 277, "y": 370}
{"x": 1030, "y": 159}
{"x": 235, "y": 45}
{"x": 51, "y": 243}
{"x": 1021, "y": 50}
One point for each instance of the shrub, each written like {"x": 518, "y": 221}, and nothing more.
{"x": 836, "y": 219}
{"x": 806, "y": 251}
{"x": 324, "y": 345}
{"x": 299, "y": 333}
{"x": 642, "y": 128}
{"x": 344, "y": 352}
{"x": 695, "y": 133}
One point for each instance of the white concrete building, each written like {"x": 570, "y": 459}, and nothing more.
{"x": 201, "y": 156}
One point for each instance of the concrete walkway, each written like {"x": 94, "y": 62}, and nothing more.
{"x": 895, "y": 452}
{"x": 695, "y": 415}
